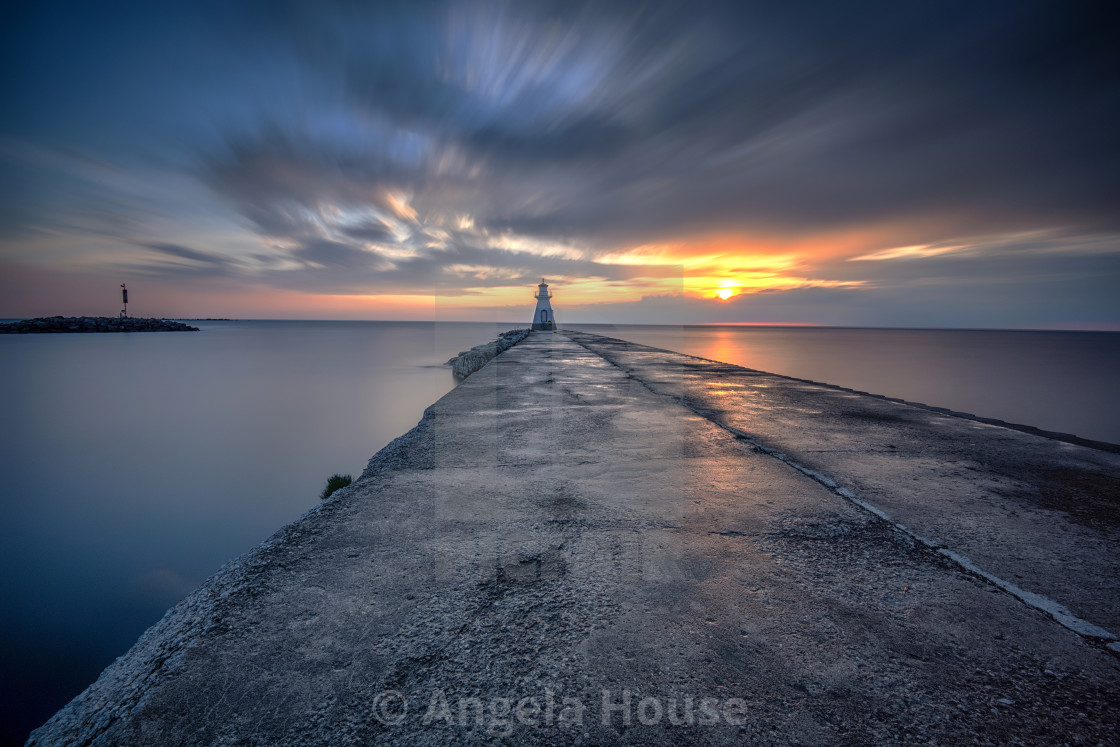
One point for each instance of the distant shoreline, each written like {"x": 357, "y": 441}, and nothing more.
{"x": 90, "y": 325}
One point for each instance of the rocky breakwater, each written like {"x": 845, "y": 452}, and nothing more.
{"x": 64, "y": 324}
{"x": 469, "y": 361}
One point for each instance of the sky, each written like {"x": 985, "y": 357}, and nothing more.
{"x": 865, "y": 163}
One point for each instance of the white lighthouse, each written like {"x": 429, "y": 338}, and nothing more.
{"x": 542, "y": 316}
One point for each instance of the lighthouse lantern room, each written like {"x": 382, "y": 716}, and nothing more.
{"x": 542, "y": 316}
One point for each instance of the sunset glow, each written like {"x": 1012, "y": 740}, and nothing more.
{"x": 375, "y": 161}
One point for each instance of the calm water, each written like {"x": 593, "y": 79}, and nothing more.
{"x": 1059, "y": 381}
{"x": 134, "y": 466}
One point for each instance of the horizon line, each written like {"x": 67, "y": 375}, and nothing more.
{"x": 1088, "y": 327}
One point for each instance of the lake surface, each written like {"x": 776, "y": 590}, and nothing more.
{"x": 134, "y": 466}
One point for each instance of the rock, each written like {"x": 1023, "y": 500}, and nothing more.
{"x": 58, "y": 324}
{"x": 466, "y": 363}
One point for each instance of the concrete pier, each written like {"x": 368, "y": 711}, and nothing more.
{"x": 591, "y": 541}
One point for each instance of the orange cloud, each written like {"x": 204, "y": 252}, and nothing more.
{"x": 725, "y": 266}
{"x": 400, "y": 206}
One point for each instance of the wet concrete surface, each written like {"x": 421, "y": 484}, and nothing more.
{"x": 1037, "y": 512}
{"x": 572, "y": 547}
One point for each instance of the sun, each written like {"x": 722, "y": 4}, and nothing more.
{"x": 725, "y": 293}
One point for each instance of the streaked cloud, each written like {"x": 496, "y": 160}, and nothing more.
{"x": 918, "y": 250}
{"x": 726, "y": 154}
